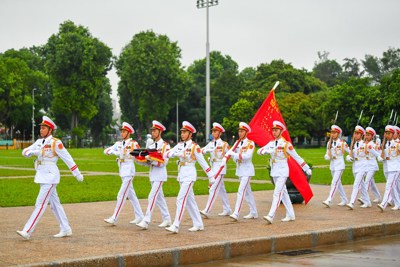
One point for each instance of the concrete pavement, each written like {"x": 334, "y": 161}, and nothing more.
{"x": 94, "y": 243}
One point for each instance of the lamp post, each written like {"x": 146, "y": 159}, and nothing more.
{"x": 206, "y": 4}
{"x": 33, "y": 115}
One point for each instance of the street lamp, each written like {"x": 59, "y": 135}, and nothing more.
{"x": 33, "y": 115}
{"x": 206, "y": 4}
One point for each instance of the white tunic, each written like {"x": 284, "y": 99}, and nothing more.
{"x": 122, "y": 149}
{"x": 189, "y": 152}
{"x": 217, "y": 150}
{"x": 280, "y": 150}
{"x": 158, "y": 170}
{"x": 48, "y": 151}
{"x": 244, "y": 164}
{"x": 336, "y": 154}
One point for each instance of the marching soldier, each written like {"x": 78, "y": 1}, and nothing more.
{"x": 188, "y": 152}
{"x": 391, "y": 166}
{"x": 242, "y": 154}
{"x": 48, "y": 149}
{"x": 334, "y": 152}
{"x": 280, "y": 150}
{"x": 397, "y": 140}
{"x": 157, "y": 175}
{"x": 372, "y": 151}
{"x": 217, "y": 149}
{"x": 122, "y": 150}
{"x": 359, "y": 157}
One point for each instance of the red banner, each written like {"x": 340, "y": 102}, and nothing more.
{"x": 261, "y": 134}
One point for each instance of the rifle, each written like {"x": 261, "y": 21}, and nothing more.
{"x": 369, "y": 124}
{"x": 384, "y": 137}
{"x": 352, "y": 139}
{"x": 330, "y": 136}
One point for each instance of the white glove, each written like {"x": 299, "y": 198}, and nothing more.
{"x": 229, "y": 153}
{"x": 79, "y": 177}
{"x": 210, "y": 175}
{"x": 147, "y": 157}
{"x": 380, "y": 159}
{"x": 326, "y": 157}
{"x": 349, "y": 159}
{"x": 309, "y": 172}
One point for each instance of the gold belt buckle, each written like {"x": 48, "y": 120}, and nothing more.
{"x": 39, "y": 162}
{"x": 182, "y": 163}
{"x": 122, "y": 160}
{"x": 334, "y": 157}
{"x": 387, "y": 158}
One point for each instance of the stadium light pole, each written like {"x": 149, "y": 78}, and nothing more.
{"x": 206, "y": 4}
{"x": 33, "y": 115}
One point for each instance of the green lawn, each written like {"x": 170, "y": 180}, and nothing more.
{"x": 23, "y": 191}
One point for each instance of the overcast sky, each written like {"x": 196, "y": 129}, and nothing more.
{"x": 250, "y": 31}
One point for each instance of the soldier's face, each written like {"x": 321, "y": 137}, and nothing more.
{"x": 155, "y": 134}
{"x": 276, "y": 132}
{"x": 45, "y": 131}
{"x": 242, "y": 133}
{"x": 185, "y": 135}
{"x": 124, "y": 134}
{"x": 389, "y": 135}
{"x": 216, "y": 134}
{"x": 368, "y": 137}
{"x": 334, "y": 135}
{"x": 357, "y": 136}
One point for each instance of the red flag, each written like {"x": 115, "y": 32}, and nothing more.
{"x": 261, "y": 134}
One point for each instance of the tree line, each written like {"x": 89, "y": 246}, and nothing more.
{"x": 68, "y": 76}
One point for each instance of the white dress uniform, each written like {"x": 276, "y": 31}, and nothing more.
{"x": 391, "y": 168}
{"x": 280, "y": 150}
{"x": 188, "y": 153}
{"x": 243, "y": 155}
{"x": 372, "y": 151}
{"x": 125, "y": 160}
{"x": 360, "y": 164}
{"x": 335, "y": 155}
{"x": 157, "y": 175}
{"x": 217, "y": 150}
{"x": 48, "y": 150}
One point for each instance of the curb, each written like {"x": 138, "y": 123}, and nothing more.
{"x": 231, "y": 249}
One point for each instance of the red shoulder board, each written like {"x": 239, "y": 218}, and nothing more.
{"x": 290, "y": 147}
{"x": 251, "y": 146}
{"x": 60, "y": 146}
{"x": 198, "y": 150}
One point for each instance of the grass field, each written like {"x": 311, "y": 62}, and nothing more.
{"x": 17, "y": 191}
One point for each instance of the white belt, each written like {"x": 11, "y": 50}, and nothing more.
{"x": 39, "y": 162}
{"x": 184, "y": 163}
{"x": 337, "y": 157}
{"x": 278, "y": 160}
{"x": 360, "y": 159}
{"x": 125, "y": 160}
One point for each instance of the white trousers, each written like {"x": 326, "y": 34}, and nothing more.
{"x": 156, "y": 197}
{"x": 244, "y": 192}
{"x": 218, "y": 189}
{"x": 371, "y": 185}
{"x": 337, "y": 185}
{"x": 47, "y": 194}
{"x": 390, "y": 188}
{"x": 127, "y": 191}
{"x": 184, "y": 199}
{"x": 359, "y": 186}
{"x": 281, "y": 194}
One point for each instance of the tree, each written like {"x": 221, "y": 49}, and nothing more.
{"x": 376, "y": 67}
{"x": 152, "y": 78}
{"x": 77, "y": 64}
{"x": 351, "y": 68}
{"x": 18, "y": 77}
{"x": 328, "y": 71}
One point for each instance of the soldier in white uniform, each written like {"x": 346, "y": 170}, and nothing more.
{"x": 48, "y": 149}
{"x": 217, "y": 149}
{"x": 188, "y": 153}
{"x": 280, "y": 150}
{"x": 391, "y": 167}
{"x": 359, "y": 157}
{"x": 157, "y": 175}
{"x": 125, "y": 161}
{"x": 242, "y": 154}
{"x": 397, "y": 140}
{"x": 373, "y": 152}
{"x": 334, "y": 152}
